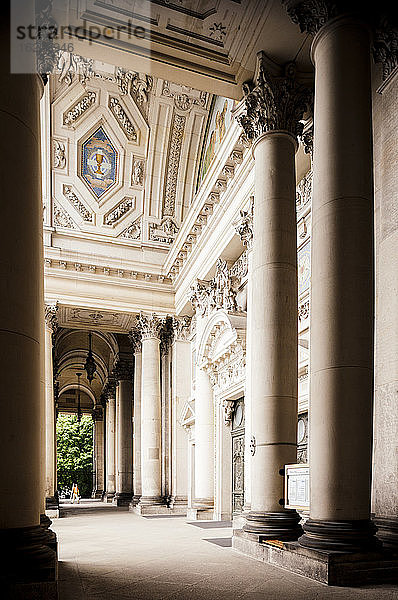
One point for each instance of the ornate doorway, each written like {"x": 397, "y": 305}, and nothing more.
{"x": 238, "y": 456}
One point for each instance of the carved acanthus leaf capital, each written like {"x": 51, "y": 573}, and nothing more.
{"x": 181, "y": 328}
{"x": 50, "y": 315}
{"x": 274, "y": 103}
{"x": 149, "y": 326}
{"x": 135, "y": 340}
{"x": 385, "y": 46}
{"x": 311, "y": 15}
{"x": 123, "y": 369}
{"x": 98, "y": 413}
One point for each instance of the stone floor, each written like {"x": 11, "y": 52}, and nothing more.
{"x": 108, "y": 553}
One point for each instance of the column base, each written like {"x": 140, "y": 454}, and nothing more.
{"x": 330, "y": 568}
{"x": 340, "y": 536}
{"x": 52, "y": 506}
{"x": 122, "y": 499}
{"x": 98, "y": 494}
{"x": 27, "y": 561}
{"x": 387, "y": 531}
{"x": 152, "y": 505}
{"x": 108, "y": 497}
{"x": 51, "y": 538}
{"x": 283, "y": 526}
{"x": 135, "y": 500}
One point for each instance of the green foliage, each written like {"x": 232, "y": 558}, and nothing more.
{"x": 75, "y": 453}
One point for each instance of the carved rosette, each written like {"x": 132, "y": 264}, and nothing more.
{"x": 123, "y": 370}
{"x": 135, "y": 340}
{"x": 244, "y": 225}
{"x": 274, "y": 103}
{"x": 50, "y": 315}
{"x": 181, "y": 328}
{"x": 149, "y": 326}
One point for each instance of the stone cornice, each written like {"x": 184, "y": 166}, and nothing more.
{"x": 274, "y": 103}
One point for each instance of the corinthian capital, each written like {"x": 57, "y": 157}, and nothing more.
{"x": 149, "y": 326}
{"x": 50, "y": 315}
{"x": 274, "y": 103}
{"x": 123, "y": 369}
{"x": 181, "y": 328}
{"x": 135, "y": 340}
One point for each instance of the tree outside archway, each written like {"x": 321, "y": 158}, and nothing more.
{"x": 75, "y": 453}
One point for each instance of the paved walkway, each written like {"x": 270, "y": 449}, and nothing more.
{"x": 108, "y": 553}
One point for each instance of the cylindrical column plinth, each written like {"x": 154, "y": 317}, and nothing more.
{"x": 150, "y": 423}
{"x": 342, "y": 296}
{"x": 204, "y": 442}
{"x": 273, "y": 351}
{"x": 124, "y": 439}
{"x": 110, "y": 447}
{"x": 21, "y": 318}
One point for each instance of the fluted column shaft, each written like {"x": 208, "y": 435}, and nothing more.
{"x": 342, "y": 296}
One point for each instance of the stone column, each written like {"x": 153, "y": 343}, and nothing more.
{"x": 274, "y": 105}
{"x": 110, "y": 440}
{"x": 98, "y": 418}
{"x": 25, "y": 557}
{"x": 181, "y": 392}
{"x": 51, "y": 326}
{"x": 124, "y": 433}
{"x": 204, "y": 442}
{"x": 151, "y": 474}
{"x": 244, "y": 228}
{"x": 385, "y": 475}
{"x": 342, "y": 295}
{"x": 135, "y": 339}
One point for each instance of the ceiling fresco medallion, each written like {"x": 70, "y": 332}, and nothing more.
{"x": 99, "y": 163}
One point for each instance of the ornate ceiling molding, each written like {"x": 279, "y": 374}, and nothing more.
{"x": 122, "y": 119}
{"x": 119, "y": 211}
{"x": 59, "y": 154}
{"x": 78, "y": 109}
{"x": 184, "y": 97}
{"x": 173, "y": 163}
{"x": 274, "y": 103}
{"x": 77, "y": 204}
{"x": 61, "y": 217}
{"x": 133, "y": 231}
{"x": 164, "y": 232}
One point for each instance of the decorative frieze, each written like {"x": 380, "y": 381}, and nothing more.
{"x": 184, "y": 97}
{"x": 79, "y": 108}
{"x": 59, "y": 154}
{"x": 70, "y": 66}
{"x": 122, "y": 118}
{"x": 119, "y": 211}
{"x": 140, "y": 87}
{"x": 164, "y": 232}
{"x": 244, "y": 224}
{"x": 50, "y": 316}
{"x": 133, "y": 231}
{"x": 228, "y": 410}
{"x": 61, "y": 217}
{"x": 137, "y": 172}
{"x": 149, "y": 325}
{"x": 274, "y": 103}
{"x": 173, "y": 163}
{"x": 77, "y": 204}
{"x": 385, "y": 47}
{"x": 304, "y": 310}
{"x": 304, "y": 191}
{"x": 215, "y": 294}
